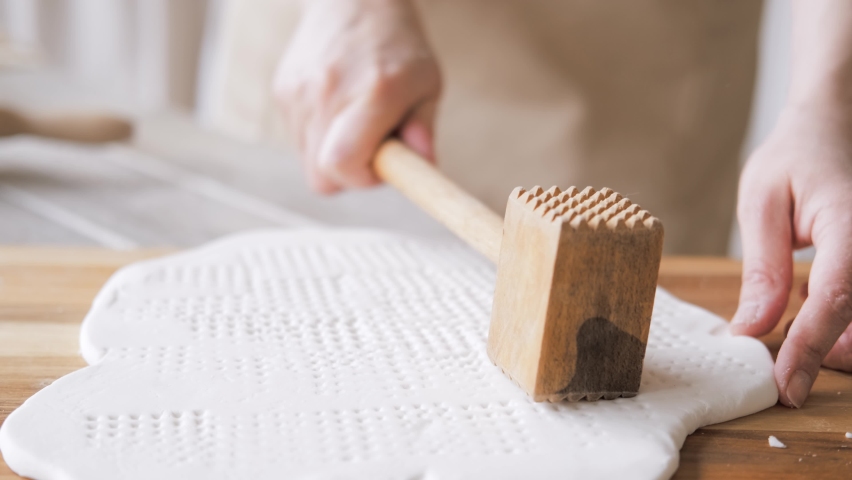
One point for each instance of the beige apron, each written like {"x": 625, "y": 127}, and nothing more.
{"x": 648, "y": 97}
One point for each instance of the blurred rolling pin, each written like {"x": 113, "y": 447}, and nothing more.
{"x": 85, "y": 127}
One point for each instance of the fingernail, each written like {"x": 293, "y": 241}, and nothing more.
{"x": 746, "y": 315}
{"x": 798, "y": 387}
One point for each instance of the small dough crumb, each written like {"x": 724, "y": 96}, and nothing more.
{"x": 775, "y": 443}
{"x": 848, "y": 434}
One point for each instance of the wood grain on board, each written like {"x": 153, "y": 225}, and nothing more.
{"x": 45, "y": 292}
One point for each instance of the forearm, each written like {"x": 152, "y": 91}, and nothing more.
{"x": 822, "y": 54}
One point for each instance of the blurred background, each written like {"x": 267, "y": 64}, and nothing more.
{"x": 207, "y": 157}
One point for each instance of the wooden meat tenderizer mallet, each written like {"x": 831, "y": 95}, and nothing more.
{"x": 85, "y": 127}
{"x": 576, "y": 278}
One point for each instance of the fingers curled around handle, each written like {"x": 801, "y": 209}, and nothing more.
{"x": 418, "y": 129}
{"x": 357, "y": 131}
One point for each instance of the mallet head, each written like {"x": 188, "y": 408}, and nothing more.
{"x": 575, "y": 289}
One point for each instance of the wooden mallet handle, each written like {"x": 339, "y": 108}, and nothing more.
{"x": 80, "y": 126}
{"x": 576, "y": 277}
{"x": 445, "y": 201}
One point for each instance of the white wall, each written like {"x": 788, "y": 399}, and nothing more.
{"x": 144, "y": 51}
{"x": 773, "y": 81}
{"x": 773, "y": 78}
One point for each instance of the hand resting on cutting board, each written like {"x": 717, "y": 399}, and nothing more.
{"x": 795, "y": 191}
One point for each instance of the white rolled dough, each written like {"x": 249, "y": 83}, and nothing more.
{"x": 352, "y": 354}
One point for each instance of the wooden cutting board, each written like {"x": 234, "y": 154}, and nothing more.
{"x": 45, "y": 292}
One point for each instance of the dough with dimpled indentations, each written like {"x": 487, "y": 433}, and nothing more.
{"x": 352, "y": 354}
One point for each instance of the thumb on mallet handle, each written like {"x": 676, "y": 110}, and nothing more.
{"x": 442, "y": 199}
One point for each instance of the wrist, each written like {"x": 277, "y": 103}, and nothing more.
{"x": 821, "y": 112}
{"x": 832, "y": 92}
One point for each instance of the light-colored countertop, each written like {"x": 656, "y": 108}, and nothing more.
{"x": 175, "y": 184}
